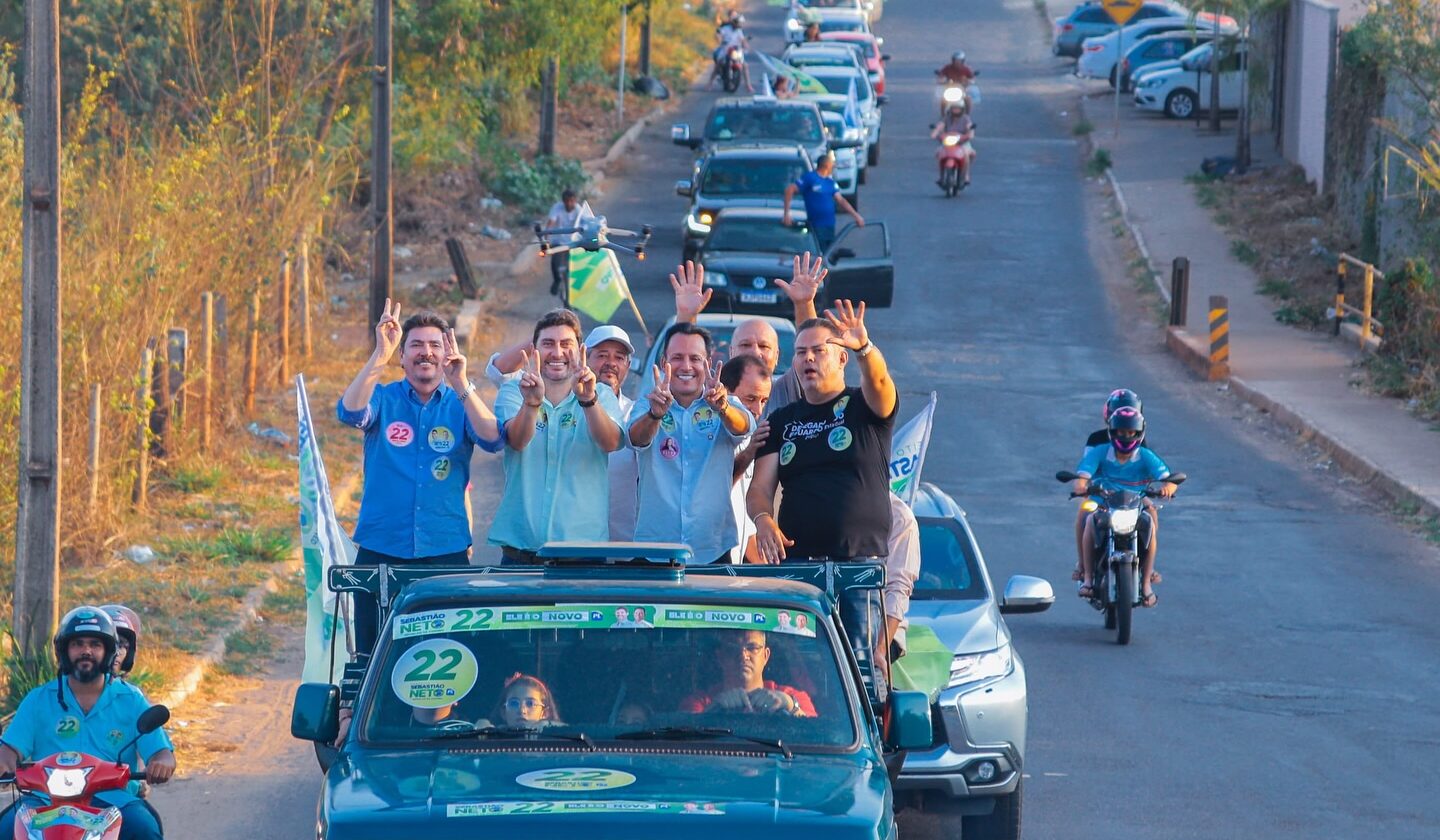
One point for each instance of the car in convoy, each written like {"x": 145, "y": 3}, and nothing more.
{"x": 848, "y": 158}
{"x": 870, "y": 45}
{"x": 1149, "y": 51}
{"x": 830, "y": 20}
{"x": 803, "y": 12}
{"x": 962, "y": 656}
{"x": 1099, "y": 54}
{"x": 743, "y": 175}
{"x": 1090, "y": 20}
{"x": 1180, "y": 90}
{"x": 627, "y": 721}
{"x": 748, "y": 249}
{"x": 837, "y": 81}
{"x": 757, "y": 119}
{"x": 721, "y": 326}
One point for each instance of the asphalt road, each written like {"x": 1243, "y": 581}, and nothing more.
{"x": 1282, "y": 688}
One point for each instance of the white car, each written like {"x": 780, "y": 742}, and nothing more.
{"x": 803, "y": 13}
{"x": 1098, "y": 55}
{"x": 837, "y": 81}
{"x": 1179, "y": 91}
{"x": 847, "y": 158}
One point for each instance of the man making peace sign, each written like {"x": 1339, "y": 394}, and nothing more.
{"x": 685, "y": 433}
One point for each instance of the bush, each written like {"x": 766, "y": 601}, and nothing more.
{"x": 535, "y": 186}
{"x": 1099, "y": 162}
{"x": 1408, "y": 304}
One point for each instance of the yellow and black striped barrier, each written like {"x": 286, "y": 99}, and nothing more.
{"x": 1219, "y": 337}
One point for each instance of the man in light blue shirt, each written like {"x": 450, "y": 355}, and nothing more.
{"x": 86, "y": 710}
{"x": 559, "y": 430}
{"x": 419, "y": 435}
{"x": 685, "y": 434}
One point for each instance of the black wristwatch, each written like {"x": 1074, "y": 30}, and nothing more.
{"x": 584, "y": 404}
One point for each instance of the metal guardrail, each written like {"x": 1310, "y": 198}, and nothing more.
{"x": 1368, "y": 323}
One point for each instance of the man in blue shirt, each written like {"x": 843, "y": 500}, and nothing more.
{"x": 685, "y": 434}
{"x": 419, "y": 434}
{"x": 821, "y": 195}
{"x": 86, "y": 710}
{"x": 559, "y": 430}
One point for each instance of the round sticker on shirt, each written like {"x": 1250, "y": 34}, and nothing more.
{"x": 117, "y": 737}
{"x": 667, "y": 423}
{"x": 441, "y": 468}
{"x": 705, "y": 418}
{"x": 787, "y": 452}
{"x": 68, "y": 726}
{"x": 669, "y": 448}
{"x": 543, "y": 421}
{"x": 575, "y": 778}
{"x": 567, "y": 420}
{"x": 399, "y": 433}
{"x": 839, "y": 408}
{"x": 442, "y": 439}
{"x": 434, "y": 674}
{"x": 840, "y": 439}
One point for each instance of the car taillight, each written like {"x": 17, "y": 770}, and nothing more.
{"x": 1094, "y": 47}
{"x": 1067, "y": 27}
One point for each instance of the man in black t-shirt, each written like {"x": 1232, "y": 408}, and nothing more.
{"x": 830, "y": 451}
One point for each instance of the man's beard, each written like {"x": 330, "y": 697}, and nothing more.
{"x": 94, "y": 673}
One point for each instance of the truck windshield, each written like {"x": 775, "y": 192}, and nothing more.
{"x": 754, "y": 123}
{"x": 611, "y": 669}
{"x": 733, "y": 177}
{"x": 763, "y": 234}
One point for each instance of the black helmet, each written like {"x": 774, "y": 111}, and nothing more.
{"x": 1127, "y": 429}
{"x": 127, "y": 627}
{"x": 85, "y": 621}
{"x": 1121, "y": 398}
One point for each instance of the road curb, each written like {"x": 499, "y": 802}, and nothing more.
{"x": 1357, "y": 465}
{"x": 1136, "y": 235}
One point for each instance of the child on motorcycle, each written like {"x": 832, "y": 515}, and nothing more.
{"x": 1128, "y": 464}
{"x": 957, "y": 122}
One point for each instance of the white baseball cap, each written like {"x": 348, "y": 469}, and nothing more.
{"x": 608, "y": 332}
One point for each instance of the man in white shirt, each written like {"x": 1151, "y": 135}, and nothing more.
{"x": 565, "y": 213}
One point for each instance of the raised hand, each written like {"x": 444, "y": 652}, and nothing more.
{"x": 388, "y": 331}
{"x": 851, "y": 324}
{"x": 532, "y": 387}
{"x": 716, "y": 394}
{"x": 806, "y": 280}
{"x": 659, "y": 396}
{"x": 455, "y": 366}
{"x": 584, "y": 377}
{"x": 691, "y": 296}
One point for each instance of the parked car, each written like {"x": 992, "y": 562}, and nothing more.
{"x": 1168, "y": 46}
{"x": 837, "y": 81}
{"x": 749, "y": 175}
{"x": 1180, "y": 91}
{"x": 975, "y": 765}
{"x": 870, "y": 44}
{"x": 749, "y": 249}
{"x": 1099, "y": 53}
{"x": 616, "y": 729}
{"x": 1090, "y": 20}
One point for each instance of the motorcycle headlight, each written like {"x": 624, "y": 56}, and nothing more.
{"x": 717, "y": 278}
{"x": 972, "y": 667}
{"x": 1123, "y": 521}
{"x": 66, "y": 784}
{"x": 952, "y": 139}
{"x": 954, "y": 94}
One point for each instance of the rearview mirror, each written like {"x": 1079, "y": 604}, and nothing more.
{"x": 882, "y": 99}
{"x": 685, "y": 188}
{"x": 1065, "y": 475}
{"x": 152, "y": 719}
{"x": 910, "y": 727}
{"x": 885, "y": 56}
{"x": 1026, "y": 594}
{"x": 1177, "y": 478}
{"x": 842, "y": 254}
{"x": 680, "y": 134}
{"x": 316, "y": 714}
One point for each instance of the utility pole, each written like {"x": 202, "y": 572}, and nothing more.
{"x": 620, "y": 80}
{"x": 549, "y": 95}
{"x": 382, "y": 199}
{"x": 37, "y": 526}
{"x": 645, "y": 44}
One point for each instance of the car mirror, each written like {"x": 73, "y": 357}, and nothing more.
{"x": 885, "y": 56}
{"x": 685, "y": 188}
{"x": 842, "y": 254}
{"x": 881, "y": 99}
{"x": 680, "y": 134}
{"x": 1026, "y": 594}
{"x": 910, "y": 726}
{"x": 316, "y": 713}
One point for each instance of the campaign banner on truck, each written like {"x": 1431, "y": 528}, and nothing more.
{"x": 323, "y": 544}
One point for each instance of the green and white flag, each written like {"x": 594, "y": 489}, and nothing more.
{"x": 323, "y": 544}
{"x": 597, "y": 285}
{"x": 907, "y": 452}
{"x": 803, "y": 82}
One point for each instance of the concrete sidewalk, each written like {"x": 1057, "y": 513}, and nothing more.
{"x": 1302, "y": 378}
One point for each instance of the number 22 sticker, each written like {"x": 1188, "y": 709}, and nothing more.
{"x": 434, "y": 674}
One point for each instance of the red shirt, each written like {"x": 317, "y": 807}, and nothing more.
{"x": 956, "y": 72}
{"x": 697, "y": 703}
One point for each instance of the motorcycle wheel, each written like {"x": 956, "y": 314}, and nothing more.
{"x": 732, "y": 80}
{"x": 1124, "y": 603}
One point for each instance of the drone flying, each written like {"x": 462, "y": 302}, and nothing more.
{"x": 594, "y": 234}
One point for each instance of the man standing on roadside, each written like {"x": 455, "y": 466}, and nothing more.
{"x": 821, "y": 196}
{"x": 419, "y": 435}
{"x": 564, "y": 214}
{"x": 684, "y": 435}
{"x": 607, "y": 352}
{"x": 559, "y": 430}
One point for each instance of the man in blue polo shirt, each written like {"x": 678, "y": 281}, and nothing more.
{"x": 419, "y": 434}
{"x": 685, "y": 434}
{"x": 559, "y": 429}
{"x": 85, "y": 710}
{"x": 821, "y": 196}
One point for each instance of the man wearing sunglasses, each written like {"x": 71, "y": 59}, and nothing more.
{"x": 742, "y": 656}
{"x": 1125, "y": 463}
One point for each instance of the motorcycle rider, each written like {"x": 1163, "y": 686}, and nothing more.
{"x": 1118, "y": 399}
{"x": 957, "y": 70}
{"x": 1128, "y": 464}
{"x": 88, "y": 711}
{"x": 127, "y": 633}
{"x": 957, "y": 121}
{"x": 730, "y": 34}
